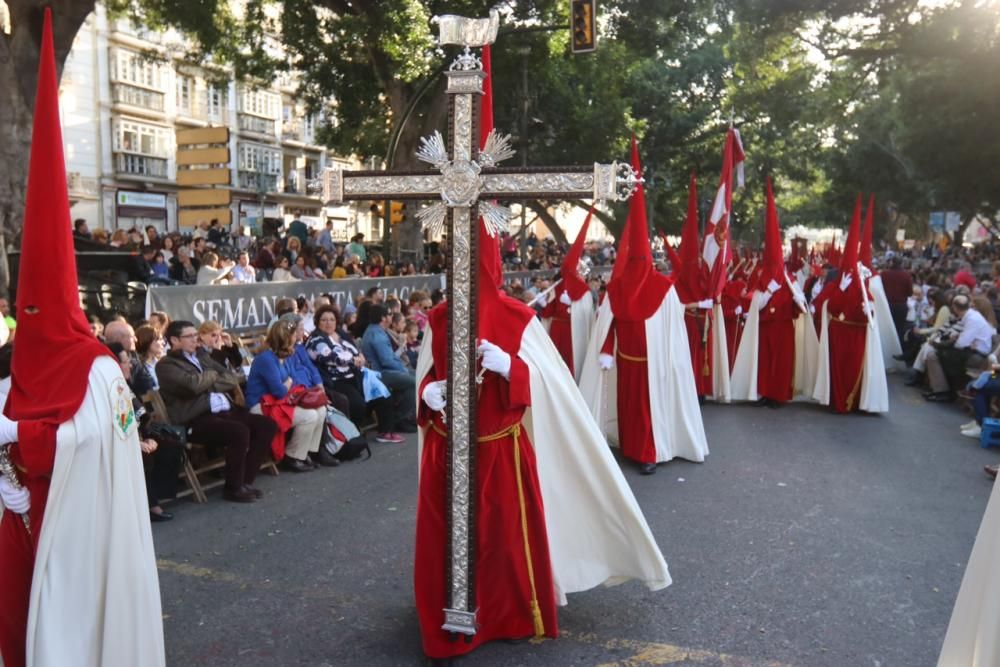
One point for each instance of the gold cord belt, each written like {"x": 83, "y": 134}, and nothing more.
{"x": 514, "y": 431}
{"x": 848, "y": 322}
{"x": 628, "y": 357}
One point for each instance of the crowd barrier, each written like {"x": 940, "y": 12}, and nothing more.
{"x": 246, "y": 308}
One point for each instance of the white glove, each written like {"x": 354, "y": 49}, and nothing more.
{"x": 565, "y": 298}
{"x": 542, "y": 301}
{"x": 495, "y": 359}
{"x": 607, "y": 361}
{"x": 762, "y": 301}
{"x": 845, "y": 280}
{"x": 739, "y": 311}
{"x": 435, "y": 395}
{"x": 705, "y": 303}
{"x": 8, "y": 430}
{"x": 773, "y": 286}
{"x": 16, "y": 500}
{"x": 799, "y": 299}
{"x": 812, "y": 309}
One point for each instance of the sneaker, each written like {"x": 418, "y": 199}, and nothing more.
{"x": 991, "y": 471}
{"x": 973, "y": 432}
{"x": 967, "y": 425}
{"x": 394, "y": 438}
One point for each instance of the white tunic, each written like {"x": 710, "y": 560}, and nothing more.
{"x": 95, "y": 597}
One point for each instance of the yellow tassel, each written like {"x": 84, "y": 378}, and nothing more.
{"x": 536, "y": 615}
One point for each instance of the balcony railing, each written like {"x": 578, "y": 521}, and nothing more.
{"x": 123, "y": 93}
{"x": 248, "y": 123}
{"x": 196, "y": 107}
{"x": 258, "y": 182}
{"x": 140, "y": 165}
{"x": 292, "y": 130}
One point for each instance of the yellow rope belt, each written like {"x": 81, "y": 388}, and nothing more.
{"x": 628, "y": 357}
{"x": 834, "y": 320}
{"x": 514, "y": 431}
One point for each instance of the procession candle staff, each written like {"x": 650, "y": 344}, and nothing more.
{"x": 490, "y": 561}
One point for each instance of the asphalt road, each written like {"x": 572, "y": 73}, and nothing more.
{"x": 805, "y": 539}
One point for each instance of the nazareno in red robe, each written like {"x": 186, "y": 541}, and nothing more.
{"x": 733, "y": 298}
{"x": 560, "y": 326}
{"x": 846, "y": 335}
{"x": 776, "y": 346}
{"x": 635, "y": 421}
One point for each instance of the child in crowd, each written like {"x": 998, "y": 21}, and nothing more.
{"x": 916, "y": 308}
{"x": 411, "y": 331}
{"x": 420, "y": 302}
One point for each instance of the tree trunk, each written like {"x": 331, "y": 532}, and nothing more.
{"x": 18, "y": 79}
{"x": 542, "y": 211}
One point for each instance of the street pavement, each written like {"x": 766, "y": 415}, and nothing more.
{"x": 805, "y": 539}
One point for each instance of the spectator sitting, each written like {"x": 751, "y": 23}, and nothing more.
{"x": 160, "y": 268}
{"x": 149, "y": 348}
{"x": 420, "y": 303}
{"x": 118, "y": 331}
{"x": 243, "y": 272}
{"x": 281, "y": 273}
{"x": 96, "y": 327}
{"x": 167, "y": 248}
{"x": 159, "y": 320}
{"x": 184, "y": 268}
{"x": 378, "y": 349}
{"x": 219, "y": 345}
{"x": 161, "y": 463}
{"x": 293, "y": 248}
{"x": 340, "y": 365}
{"x": 273, "y": 372}
{"x": 300, "y": 271}
{"x": 338, "y": 268}
{"x": 80, "y": 229}
{"x": 397, "y": 326}
{"x": 393, "y": 305}
{"x": 412, "y": 333}
{"x": 357, "y": 248}
{"x": 201, "y": 395}
{"x": 377, "y": 267}
{"x": 213, "y": 271}
{"x": 948, "y": 357}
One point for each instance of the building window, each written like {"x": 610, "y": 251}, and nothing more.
{"x": 134, "y": 68}
{"x": 217, "y": 103}
{"x": 260, "y": 103}
{"x": 185, "y": 95}
{"x": 141, "y": 139}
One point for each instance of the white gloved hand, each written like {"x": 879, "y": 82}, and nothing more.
{"x": 607, "y": 361}
{"x": 565, "y": 298}
{"x": 762, "y": 301}
{"x": 800, "y": 300}
{"x": 435, "y": 395}
{"x": 16, "y": 500}
{"x": 705, "y": 304}
{"x": 739, "y": 310}
{"x": 543, "y": 300}
{"x": 812, "y": 309}
{"x": 845, "y": 281}
{"x": 495, "y": 359}
{"x": 773, "y": 286}
{"x": 8, "y": 430}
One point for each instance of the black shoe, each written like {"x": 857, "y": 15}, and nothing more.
{"x": 760, "y": 402}
{"x": 156, "y": 517}
{"x": 773, "y": 404}
{"x": 294, "y": 465}
{"x": 324, "y": 458}
{"x": 941, "y": 397}
{"x": 257, "y": 493}
{"x": 647, "y": 468}
{"x": 899, "y": 357}
{"x": 241, "y": 496}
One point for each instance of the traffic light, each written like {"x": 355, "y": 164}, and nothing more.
{"x": 397, "y": 212}
{"x": 583, "y": 30}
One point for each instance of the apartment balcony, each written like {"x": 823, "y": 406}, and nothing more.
{"x": 81, "y": 187}
{"x": 140, "y": 165}
{"x": 195, "y": 109}
{"x": 134, "y": 96}
{"x": 256, "y": 181}
{"x": 248, "y": 123}
{"x": 291, "y": 131}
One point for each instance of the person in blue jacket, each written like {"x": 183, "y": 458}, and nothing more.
{"x": 400, "y": 380}
{"x": 283, "y": 365}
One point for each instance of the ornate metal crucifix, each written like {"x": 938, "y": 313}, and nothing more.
{"x": 466, "y": 182}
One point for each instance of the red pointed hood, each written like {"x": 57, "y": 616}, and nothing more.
{"x": 501, "y": 319}
{"x": 638, "y": 289}
{"x": 773, "y": 264}
{"x": 572, "y": 283}
{"x": 55, "y": 349}
{"x": 866, "y": 238}
{"x": 849, "y": 258}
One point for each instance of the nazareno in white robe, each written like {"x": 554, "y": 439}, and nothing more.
{"x": 744, "y": 382}
{"x": 973, "y": 637}
{"x": 597, "y": 533}
{"x": 678, "y": 430}
{"x": 95, "y": 596}
{"x": 581, "y": 320}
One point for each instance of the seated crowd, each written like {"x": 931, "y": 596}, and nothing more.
{"x": 275, "y": 404}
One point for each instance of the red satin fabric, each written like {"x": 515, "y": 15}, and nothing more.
{"x": 847, "y": 346}
{"x": 635, "y": 422}
{"x": 561, "y": 327}
{"x": 776, "y": 347}
{"x": 502, "y": 585}
{"x": 701, "y": 352}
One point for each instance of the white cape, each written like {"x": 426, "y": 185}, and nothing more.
{"x": 973, "y": 637}
{"x": 721, "y": 391}
{"x": 95, "y": 597}
{"x": 874, "y": 388}
{"x": 597, "y": 533}
{"x": 677, "y": 427}
{"x": 581, "y": 320}
{"x": 888, "y": 337}
{"x": 744, "y": 384}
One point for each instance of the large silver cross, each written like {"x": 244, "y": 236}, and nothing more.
{"x": 465, "y": 183}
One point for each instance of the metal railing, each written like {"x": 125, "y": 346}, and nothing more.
{"x": 123, "y": 93}
{"x": 249, "y": 123}
{"x": 140, "y": 165}
{"x": 257, "y": 181}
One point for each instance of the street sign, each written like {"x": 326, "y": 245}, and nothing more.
{"x": 214, "y": 176}
{"x": 937, "y": 221}
{"x": 190, "y": 156}
{"x": 203, "y": 135}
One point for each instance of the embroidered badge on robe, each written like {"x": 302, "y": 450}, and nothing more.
{"x": 121, "y": 408}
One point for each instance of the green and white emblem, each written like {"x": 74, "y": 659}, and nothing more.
{"x": 121, "y": 408}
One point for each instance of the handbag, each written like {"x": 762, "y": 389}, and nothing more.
{"x": 167, "y": 435}
{"x": 310, "y": 399}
